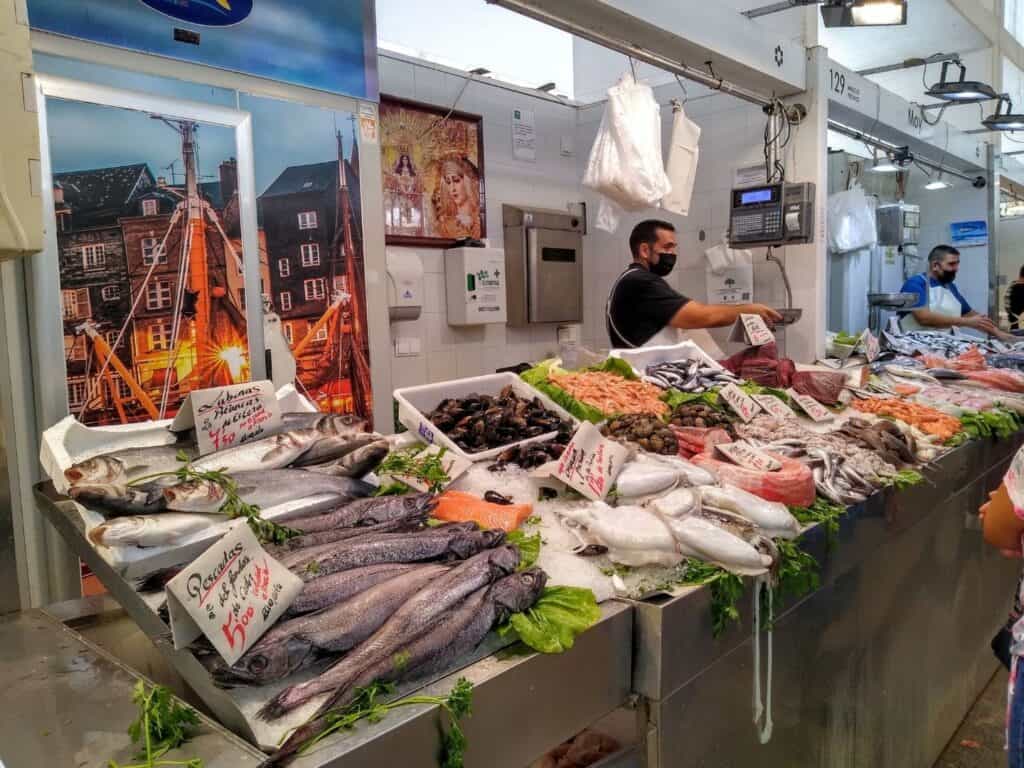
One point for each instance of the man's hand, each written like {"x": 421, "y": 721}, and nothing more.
{"x": 767, "y": 314}
{"x": 983, "y": 324}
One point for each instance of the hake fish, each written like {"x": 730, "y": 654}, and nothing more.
{"x": 454, "y": 634}
{"x": 377, "y": 509}
{"x": 335, "y": 587}
{"x": 394, "y": 548}
{"x": 413, "y": 618}
{"x": 127, "y": 465}
{"x": 296, "y": 643}
{"x": 319, "y": 538}
{"x": 150, "y": 530}
{"x": 264, "y": 489}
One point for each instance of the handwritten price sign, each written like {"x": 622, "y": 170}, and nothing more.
{"x": 774, "y": 406}
{"x": 746, "y": 456}
{"x": 810, "y": 406}
{"x": 869, "y": 343}
{"x": 232, "y": 593}
{"x": 752, "y": 330}
{"x": 590, "y": 463}
{"x": 228, "y": 416}
{"x": 739, "y": 401}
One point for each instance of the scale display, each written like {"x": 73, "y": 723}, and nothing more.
{"x": 772, "y": 214}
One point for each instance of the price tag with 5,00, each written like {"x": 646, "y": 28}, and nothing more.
{"x": 739, "y": 401}
{"x": 232, "y": 593}
{"x": 810, "y": 406}
{"x": 591, "y": 462}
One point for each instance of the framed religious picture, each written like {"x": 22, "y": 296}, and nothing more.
{"x": 433, "y": 172}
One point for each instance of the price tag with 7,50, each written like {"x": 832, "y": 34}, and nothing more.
{"x": 739, "y": 401}
{"x": 232, "y": 593}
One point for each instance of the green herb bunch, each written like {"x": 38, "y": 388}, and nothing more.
{"x": 162, "y": 725}
{"x": 408, "y": 462}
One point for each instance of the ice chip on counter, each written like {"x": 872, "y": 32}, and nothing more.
{"x": 565, "y": 569}
{"x": 639, "y": 478}
{"x": 512, "y": 482}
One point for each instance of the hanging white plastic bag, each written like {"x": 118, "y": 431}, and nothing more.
{"x": 683, "y": 153}
{"x": 625, "y": 164}
{"x": 851, "y": 221}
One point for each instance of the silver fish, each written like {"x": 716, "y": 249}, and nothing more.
{"x": 355, "y": 463}
{"x": 377, "y": 509}
{"x": 273, "y": 452}
{"x": 264, "y": 489}
{"x": 453, "y": 635}
{"x": 119, "y": 499}
{"x": 409, "y": 621}
{"x": 306, "y": 540}
{"x": 333, "y": 588}
{"x": 150, "y": 530}
{"x": 127, "y": 465}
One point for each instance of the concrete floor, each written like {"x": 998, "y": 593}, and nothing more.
{"x": 978, "y": 742}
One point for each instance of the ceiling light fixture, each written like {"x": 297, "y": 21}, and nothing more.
{"x": 961, "y": 91}
{"x": 1004, "y": 121}
{"x": 893, "y": 162}
{"x": 938, "y": 183}
{"x": 864, "y": 13}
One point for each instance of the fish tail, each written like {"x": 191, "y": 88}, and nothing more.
{"x": 278, "y": 705}
{"x": 295, "y": 742}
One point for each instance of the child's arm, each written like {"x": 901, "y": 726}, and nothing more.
{"x": 1002, "y": 527}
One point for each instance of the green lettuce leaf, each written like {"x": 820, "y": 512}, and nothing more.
{"x": 756, "y": 389}
{"x": 615, "y": 365}
{"x": 529, "y": 547}
{"x": 554, "y": 621}
{"x": 675, "y": 398}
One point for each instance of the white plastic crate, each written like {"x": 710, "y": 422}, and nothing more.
{"x": 641, "y": 357}
{"x": 415, "y": 402}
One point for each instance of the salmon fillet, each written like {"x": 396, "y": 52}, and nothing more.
{"x": 459, "y": 506}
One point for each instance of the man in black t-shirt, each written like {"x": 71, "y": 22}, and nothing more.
{"x": 644, "y": 310}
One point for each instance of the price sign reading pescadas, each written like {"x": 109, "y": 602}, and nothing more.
{"x": 590, "y": 463}
{"x": 739, "y": 401}
{"x": 232, "y": 593}
{"x": 810, "y": 406}
{"x": 227, "y": 416}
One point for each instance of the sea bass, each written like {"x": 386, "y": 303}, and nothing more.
{"x": 264, "y": 489}
{"x": 335, "y": 587}
{"x": 454, "y": 634}
{"x": 378, "y": 509}
{"x": 127, "y": 465}
{"x": 150, "y": 530}
{"x": 394, "y": 548}
{"x": 116, "y": 499}
{"x": 296, "y": 643}
{"x": 355, "y": 463}
{"x": 409, "y": 621}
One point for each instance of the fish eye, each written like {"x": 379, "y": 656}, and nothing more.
{"x": 258, "y": 664}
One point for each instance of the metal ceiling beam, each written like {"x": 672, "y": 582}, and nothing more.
{"x": 644, "y": 40}
{"x": 936, "y": 58}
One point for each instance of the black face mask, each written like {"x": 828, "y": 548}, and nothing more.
{"x": 945, "y": 277}
{"x": 666, "y": 261}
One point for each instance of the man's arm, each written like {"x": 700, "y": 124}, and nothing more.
{"x": 695, "y": 314}
{"x": 934, "y": 320}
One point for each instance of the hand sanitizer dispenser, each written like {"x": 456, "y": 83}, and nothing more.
{"x": 405, "y": 285}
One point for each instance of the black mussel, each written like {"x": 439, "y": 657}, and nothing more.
{"x": 555, "y": 450}
{"x": 591, "y": 550}
{"x": 534, "y": 431}
{"x": 496, "y": 498}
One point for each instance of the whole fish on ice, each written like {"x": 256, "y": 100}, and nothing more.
{"x": 150, "y": 530}
{"x": 264, "y": 489}
{"x": 127, "y": 465}
{"x": 366, "y": 511}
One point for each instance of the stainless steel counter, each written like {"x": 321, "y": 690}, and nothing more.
{"x": 877, "y": 667}
{"x": 69, "y": 703}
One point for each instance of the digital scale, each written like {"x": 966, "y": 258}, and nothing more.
{"x": 781, "y": 213}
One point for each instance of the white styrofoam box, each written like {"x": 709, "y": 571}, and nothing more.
{"x": 641, "y": 357}
{"x": 415, "y": 402}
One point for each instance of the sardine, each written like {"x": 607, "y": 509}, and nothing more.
{"x": 120, "y": 499}
{"x": 336, "y": 587}
{"x": 293, "y": 644}
{"x": 264, "y": 489}
{"x": 355, "y": 463}
{"x": 150, "y": 530}
{"x": 127, "y": 465}
{"x": 377, "y": 509}
{"x": 394, "y": 548}
{"x": 408, "y": 622}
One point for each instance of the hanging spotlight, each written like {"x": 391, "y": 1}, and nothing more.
{"x": 893, "y": 162}
{"x": 864, "y": 13}
{"x": 938, "y": 183}
{"x": 960, "y": 91}
{"x": 1004, "y": 121}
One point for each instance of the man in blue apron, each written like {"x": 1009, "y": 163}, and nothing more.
{"x": 645, "y": 311}
{"x": 940, "y": 304}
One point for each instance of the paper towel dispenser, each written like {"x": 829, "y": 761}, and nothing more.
{"x": 544, "y": 265}
{"x": 405, "y": 285}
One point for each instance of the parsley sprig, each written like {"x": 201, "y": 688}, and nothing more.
{"x": 368, "y": 706}
{"x": 162, "y": 725}
{"x": 408, "y": 462}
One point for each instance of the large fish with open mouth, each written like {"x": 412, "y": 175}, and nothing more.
{"x": 457, "y": 632}
{"x": 264, "y": 489}
{"x": 296, "y": 643}
{"x": 417, "y": 615}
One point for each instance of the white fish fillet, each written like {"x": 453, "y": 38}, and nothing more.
{"x": 633, "y": 535}
{"x": 770, "y": 516}
{"x": 642, "y": 479}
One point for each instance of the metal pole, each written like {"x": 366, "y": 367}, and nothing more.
{"x": 634, "y": 51}
{"x": 764, "y": 10}
{"x": 936, "y": 58}
{"x": 994, "y": 194}
{"x": 873, "y": 141}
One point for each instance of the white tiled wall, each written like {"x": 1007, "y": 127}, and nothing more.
{"x": 732, "y": 132}
{"x": 550, "y": 182}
